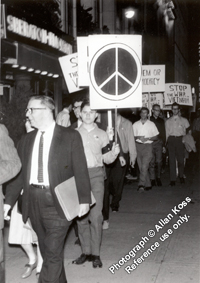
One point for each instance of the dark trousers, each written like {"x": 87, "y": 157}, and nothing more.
{"x": 115, "y": 174}
{"x": 51, "y": 230}
{"x": 155, "y": 165}
{"x": 176, "y": 152}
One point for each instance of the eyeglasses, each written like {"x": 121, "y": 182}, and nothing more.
{"x": 175, "y": 108}
{"x": 30, "y": 110}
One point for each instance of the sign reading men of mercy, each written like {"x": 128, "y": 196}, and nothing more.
{"x": 177, "y": 92}
{"x": 153, "y": 78}
{"x": 115, "y": 71}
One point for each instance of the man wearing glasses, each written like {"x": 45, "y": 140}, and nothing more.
{"x": 175, "y": 129}
{"x": 49, "y": 155}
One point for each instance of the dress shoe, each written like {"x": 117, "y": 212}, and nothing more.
{"x": 148, "y": 188}
{"x": 96, "y": 261}
{"x": 82, "y": 258}
{"x": 140, "y": 189}
{"x": 172, "y": 183}
{"x": 182, "y": 180}
{"x": 153, "y": 183}
{"x": 159, "y": 183}
{"x": 29, "y": 269}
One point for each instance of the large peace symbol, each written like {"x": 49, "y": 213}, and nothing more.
{"x": 115, "y": 71}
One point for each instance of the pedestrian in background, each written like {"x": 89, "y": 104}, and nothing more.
{"x": 145, "y": 133}
{"x": 63, "y": 118}
{"x": 158, "y": 147}
{"x": 175, "y": 130}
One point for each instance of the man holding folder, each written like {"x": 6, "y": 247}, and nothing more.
{"x": 50, "y": 155}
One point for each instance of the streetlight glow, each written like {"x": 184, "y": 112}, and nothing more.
{"x": 129, "y": 14}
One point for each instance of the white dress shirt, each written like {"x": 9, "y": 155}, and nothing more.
{"x": 48, "y": 134}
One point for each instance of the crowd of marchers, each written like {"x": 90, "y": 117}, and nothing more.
{"x": 79, "y": 143}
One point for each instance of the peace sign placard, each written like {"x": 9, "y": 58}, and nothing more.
{"x": 115, "y": 71}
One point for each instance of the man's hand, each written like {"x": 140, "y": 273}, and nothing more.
{"x": 84, "y": 208}
{"x": 110, "y": 133}
{"x": 164, "y": 149}
{"x": 7, "y": 207}
{"x": 122, "y": 161}
{"x": 132, "y": 163}
{"x": 115, "y": 149}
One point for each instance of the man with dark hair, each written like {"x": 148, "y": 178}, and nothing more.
{"x": 97, "y": 150}
{"x": 63, "y": 118}
{"x": 158, "y": 147}
{"x": 50, "y": 155}
{"x": 145, "y": 133}
{"x": 76, "y": 104}
{"x": 175, "y": 130}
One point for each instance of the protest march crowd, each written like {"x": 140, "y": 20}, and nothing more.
{"x": 79, "y": 146}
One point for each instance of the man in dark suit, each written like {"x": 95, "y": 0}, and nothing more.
{"x": 9, "y": 167}
{"x": 49, "y": 156}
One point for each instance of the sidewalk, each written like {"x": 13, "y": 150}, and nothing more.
{"x": 165, "y": 210}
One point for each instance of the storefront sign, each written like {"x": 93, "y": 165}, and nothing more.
{"x": 180, "y": 93}
{"x": 33, "y": 32}
{"x": 153, "y": 78}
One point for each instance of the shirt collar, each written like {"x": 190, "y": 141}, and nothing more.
{"x": 49, "y": 129}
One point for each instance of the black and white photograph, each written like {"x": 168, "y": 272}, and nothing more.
{"x": 100, "y": 141}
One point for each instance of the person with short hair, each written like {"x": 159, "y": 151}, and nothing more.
{"x": 63, "y": 117}
{"x": 158, "y": 147}
{"x": 97, "y": 151}
{"x": 175, "y": 128}
{"x": 50, "y": 155}
{"x": 145, "y": 133}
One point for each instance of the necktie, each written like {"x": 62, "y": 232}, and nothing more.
{"x": 40, "y": 159}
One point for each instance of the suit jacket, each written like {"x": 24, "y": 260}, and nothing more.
{"x": 66, "y": 159}
{"x": 9, "y": 163}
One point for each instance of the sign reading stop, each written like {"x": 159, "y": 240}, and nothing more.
{"x": 115, "y": 71}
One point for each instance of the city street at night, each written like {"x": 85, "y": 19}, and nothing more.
{"x": 175, "y": 260}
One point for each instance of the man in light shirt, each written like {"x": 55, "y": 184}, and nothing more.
{"x": 63, "y": 118}
{"x": 175, "y": 128}
{"x": 145, "y": 133}
{"x": 50, "y": 155}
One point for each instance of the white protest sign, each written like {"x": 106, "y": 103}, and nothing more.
{"x": 145, "y": 100}
{"x": 153, "y": 78}
{"x": 155, "y": 98}
{"x": 82, "y": 47}
{"x": 177, "y": 92}
{"x": 115, "y": 71}
{"x": 69, "y": 66}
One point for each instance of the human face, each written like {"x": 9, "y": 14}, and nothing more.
{"x": 37, "y": 113}
{"x": 175, "y": 110}
{"x": 88, "y": 116}
{"x": 77, "y": 108}
{"x": 156, "y": 111}
{"x": 144, "y": 114}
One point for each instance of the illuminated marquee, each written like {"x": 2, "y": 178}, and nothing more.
{"x": 33, "y": 32}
